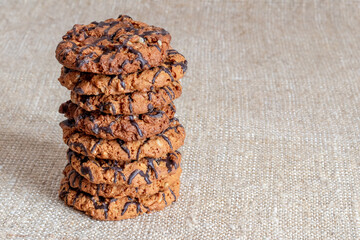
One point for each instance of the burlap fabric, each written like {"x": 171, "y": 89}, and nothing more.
{"x": 270, "y": 104}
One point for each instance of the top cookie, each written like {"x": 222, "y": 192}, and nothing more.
{"x": 113, "y": 46}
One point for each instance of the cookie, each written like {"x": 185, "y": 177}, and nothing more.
{"x": 113, "y": 46}
{"x": 83, "y": 83}
{"x": 129, "y": 103}
{"x": 134, "y": 173}
{"x": 169, "y": 140}
{"x": 111, "y": 190}
{"x": 117, "y": 208}
{"x": 126, "y": 128}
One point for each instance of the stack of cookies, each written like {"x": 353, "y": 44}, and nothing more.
{"x": 123, "y": 138}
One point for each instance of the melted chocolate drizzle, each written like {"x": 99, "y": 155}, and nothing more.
{"x": 80, "y": 145}
{"x": 170, "y": 90}
{"x": 102, "y": 106}
{"x": 69, "y": 122}
{"x": 173, "y": 194}
{"x": 167, "y": 140}
{"x": 172, "y": 52}
{"x": 72, "y": 172}
{"x": 163, "y": 136}
{"x": 131, "y": 201}
{"x": 84, "y": 170}
{"x": 75, "y": 198}
{"x": 163, "y": 194}
{"x": 95, "y": 145}
{"x": 117, "y": 169}
{"x": 162, "y": 69}
{"x": 183, "y": 65}
{"x": 155, "y": 113}
{"x": 172, "y": 106}
{"x": 123, "y": 147}
{"x": 130, "y": 103}
{"x": 96, "y": 129}
{"x": 170, "y": 164}
{"x": 100, "y": 186}
{"x": 149, "y": 93}
{"x": 150, "y": 107}
{"x": 87, "y": 170}
{"x": 139, "y": 149}
{"x": 122, "y": 81}
{"x": 78, "y": 90}
{"x": 111, "y": 79}
{"x": 141, "y": 173}
{"x": 102, "y": 204}
{"x": 168, "y": 93}
{"x": 134, "y": 123}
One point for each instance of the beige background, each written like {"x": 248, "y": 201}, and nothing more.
{"x": 270, "y": 103}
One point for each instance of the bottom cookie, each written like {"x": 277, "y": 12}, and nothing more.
{"x": 116, "y": 208}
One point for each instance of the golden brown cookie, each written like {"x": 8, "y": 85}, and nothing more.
{"x": 169, "y": 140}
{"x": 111, "y": 190}
{"x": 83, "y": 83}
{"x": 129, "y": 103}
{"x": 113, "y": 46}
{"x": 126, "y": 128}
{"x": 117, "y": 208}
{"x": 134, "y": 173}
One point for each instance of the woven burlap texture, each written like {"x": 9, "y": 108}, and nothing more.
{"x": 270, "y": 104}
